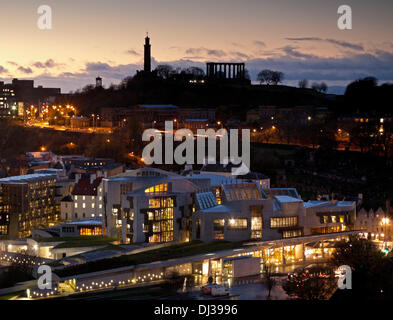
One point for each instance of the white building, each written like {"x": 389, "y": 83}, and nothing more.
{"x": 86, "y": 200}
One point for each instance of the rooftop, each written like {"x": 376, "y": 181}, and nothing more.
{"x": 324, "y": 204}
{"x": 284, "y": 199}
{"x": 85, "y": 188}
{"x": 159, "y": 106}
{"x": 28, "y": 178}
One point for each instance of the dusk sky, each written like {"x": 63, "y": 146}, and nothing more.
{"x": 105, "y": 37}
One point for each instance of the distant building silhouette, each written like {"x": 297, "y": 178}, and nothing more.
{"x": 15, "y": 97}
{"x": 147, "y": 67}
{"x": 98, "y": 82}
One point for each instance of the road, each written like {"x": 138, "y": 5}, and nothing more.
{"x": 46, "y": 125}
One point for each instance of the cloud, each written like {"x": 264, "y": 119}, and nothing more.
{"x": 293, "y": 52}
{"x": 97, "y": 66}
{"x": 259, "y": 43}
{"x": 206, "y": 52}
{"x": 25, "y": 70}
{"x": 50, "y": 63}
{"x": 305, "y": 39}
{"x": 13, "y": 63}
{"x": 3, "y": 70}
{"x": 295, "y": 63}
{"x": 132, "y": 53}
{"x": 239, "y": 55}
{"x": 348, "y": 68}
{"x": 343, "y": 44}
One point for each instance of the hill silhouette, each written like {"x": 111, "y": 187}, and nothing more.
{"x": 153, "y": 90}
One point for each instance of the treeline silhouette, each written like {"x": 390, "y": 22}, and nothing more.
{"x": 176, "y": 89}
{"x": 168, "y": 85}
{"x": 365, "y": 96}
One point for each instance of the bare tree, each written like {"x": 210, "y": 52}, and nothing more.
{"x": 164, "y": 71}
{"x": 303, "y": 83}
{"x": 323, "y": 87}
{"x": 277, "y": 77}
{"x": 320, "y": 87}
{"x": 265, "y": 76}
{"x": 315, "y": 86}
{"x": 270, "y": 280}
{"x": 195, "y": 71}
{"x": 270, "y": 77}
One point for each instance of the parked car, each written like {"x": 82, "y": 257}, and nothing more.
{"x": 214, "y": 290}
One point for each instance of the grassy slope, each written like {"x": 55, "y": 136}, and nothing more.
{"x": 161, "y": 254}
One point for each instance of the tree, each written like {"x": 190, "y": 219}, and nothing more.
{"x": 270, "y": 77}
{"x": 361, "y": 94}
{"x": 264, "y": 76}
{"x": 361, "y": 135}
{"x": 134, "y": 134}
{"x": 316, "y": 283}
{"x": 277, "y": 77}
{"x": 270, "y": 281}
{"x": 323, "y": 87}
{"x": 320, "y": 87}
{"x": 173, "y": 283}
{"x": 371, "y": 269}
{"x": 195, "y": 71}
{"x": 20, "y": 270}
{"x": 303, "y": 83}
{"x": 164, "y": 71}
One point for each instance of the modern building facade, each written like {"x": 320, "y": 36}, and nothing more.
{"x": 27, "y": 202}
{"x": 148, "y": 205}
{"x": 247, "y": 211}
{"x": 9, "y": 107}
{"x": 156, "y": 206}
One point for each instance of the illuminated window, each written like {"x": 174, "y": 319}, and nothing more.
{"x": 91, "y": 231}
{"x": 157, "y": 188}
{"x": 237, "y": 224}
{"x": 244, "y": 191}
{"x": 256, "y": 222}
{"x": 154, "y": 203}
{"x": 218, "y": 195}
{"x": 3, "y": 230}
{"x": 291, "y": 233}
{"x": 323, "y": 230}
{"x": 218, "y": 225}
{"x": 283, "y": 222}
